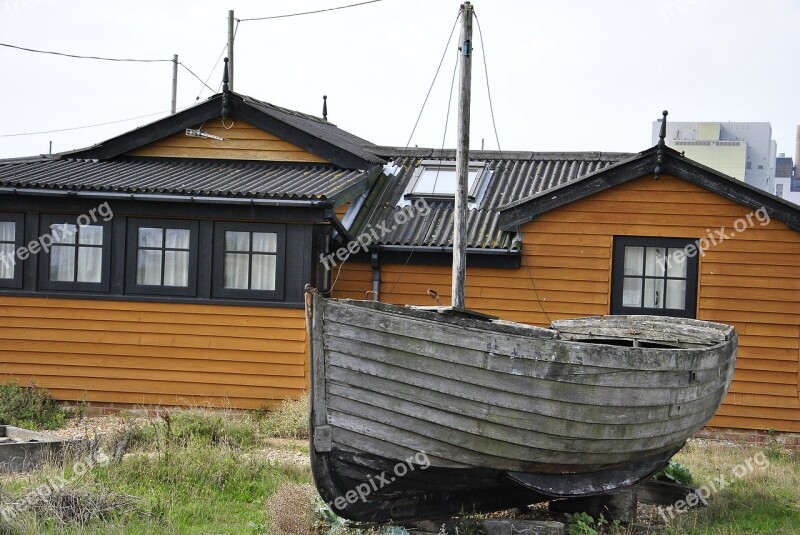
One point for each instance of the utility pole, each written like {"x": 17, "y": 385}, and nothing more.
{"x": 230, "y": 50}
{"x": 462, "y": 160}
{"x": 174, "y": 83}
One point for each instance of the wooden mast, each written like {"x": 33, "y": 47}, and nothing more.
{"x": 462, "y": 160}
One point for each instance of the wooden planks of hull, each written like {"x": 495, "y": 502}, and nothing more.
{"x": 591, "y": 405}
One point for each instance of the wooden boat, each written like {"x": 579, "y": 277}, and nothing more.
{"x": 505, "y": 414}
{"x": 422, "y": 412}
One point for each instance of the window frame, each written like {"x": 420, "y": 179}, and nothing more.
{"x": 424, "y": 165}
{"x": 618, "y": 274}
{"x": 19, "y": 239}
{"x": 218, "y": 269}
{"x": 132, "y": 257}
{"x": 45, "y": 222}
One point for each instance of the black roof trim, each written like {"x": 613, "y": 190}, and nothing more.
{"x": 307, "y": 132}
{"x": 518, "y": 213}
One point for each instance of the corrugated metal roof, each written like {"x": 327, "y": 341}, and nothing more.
{"x": 181, "y": 177}
{"x": 516, "y": 175}
{"x": 319, "y": 128}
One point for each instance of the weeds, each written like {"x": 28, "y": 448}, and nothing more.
{"x": 291, "y": 510}
{"x": 29, "y": 407}
{"x": 289, "y": 420}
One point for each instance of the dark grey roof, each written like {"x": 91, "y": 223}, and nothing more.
{"x": 179, "y": 176}
{"x": 656, "y": 160}
{"x": 319, "y": 128}
{"x": 306, "y": 131}
{"x": 517, "y": 175}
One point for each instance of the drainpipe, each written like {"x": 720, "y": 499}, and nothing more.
{"x": 376, "y": 275}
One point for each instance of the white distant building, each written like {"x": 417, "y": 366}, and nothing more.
{"x": 787, "y": 180}
{"x": 745, "y": 151}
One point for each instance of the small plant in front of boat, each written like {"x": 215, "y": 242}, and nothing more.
{"x": 674, "y": 473}
{"x": 584, "y": 524}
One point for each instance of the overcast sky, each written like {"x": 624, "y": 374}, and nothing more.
{"x": 567, "y": 75}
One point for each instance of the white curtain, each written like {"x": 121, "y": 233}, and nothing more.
{"x": 176, "y": 268}
{"x": 176, "y": 261}
{"x": 263, "y": 272}
{"x": 62, "y": 263}
{"x": 148, "y": 267}
{"x": 7, "y": 241}
{"x": 90, "y": 253}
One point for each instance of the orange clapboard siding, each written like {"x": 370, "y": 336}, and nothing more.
{"x": 751, "y": 280}
{"x": 242, "y": 141}
{"x": 201, "y": 354}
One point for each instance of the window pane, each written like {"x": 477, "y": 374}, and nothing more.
{"x": 442, "y": 180}
{"x": 634, "y": 260}
{"x": 177, "y": 238}
{"x": 63, "y": 233}
{"x": 265, "y": 242}
{"x": 237, "y": 269}
{"x": 90, "y": 235}
{"x": 62, "y": 263}
{"x": 653, "y": 293}
{"x": 674, "y": 267}
{"x": 148, "y": 267}
{"x": 150, "y": 237}
{"x": 90, "y": 263}
{"x": 656, "y": 262}
{"x": 676, "y": 294}
{"x": 237, "y": 241}
{"x": 263, "y": 272}
{"x": 8, "y": 231}
{"x": 176, "y": 268}
{"x": 632, "y": 292}
{"x": 7, "y": 260}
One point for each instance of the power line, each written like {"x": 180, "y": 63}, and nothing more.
{"x": 436, "y": 74}
{"x": 88, "y": 125}
{"x": 488, "y": 91}
{"x": 309, "y": 12}
{"x": 82, "y": 57}
{"x": 193, "y": 74}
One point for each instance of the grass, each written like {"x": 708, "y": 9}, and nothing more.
{"x": 181, "y": 472}
{"x": 29, "y": 407}
{"x": 199, "y": 471}
{"x": 762, "y": 496}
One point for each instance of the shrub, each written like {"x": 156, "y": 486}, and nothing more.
{"x": 291, "y": 510}
{"x": 289, "y": 420}
{"x": 29, "y": 407}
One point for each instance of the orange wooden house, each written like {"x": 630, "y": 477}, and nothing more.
{"x": 167, "y": 265}
{"x": 171, "y": 260}
{"x": 558, "y": 235}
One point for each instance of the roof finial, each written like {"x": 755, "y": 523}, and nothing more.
{"x": 662, "y": 135}
{"x": 226, "y": 94}
{"x": 324, "y": 107}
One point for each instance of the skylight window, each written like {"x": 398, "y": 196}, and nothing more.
{"x": 438, "y": 179}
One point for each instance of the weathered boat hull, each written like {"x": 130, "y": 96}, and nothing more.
{"x": 488, "y": 414}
